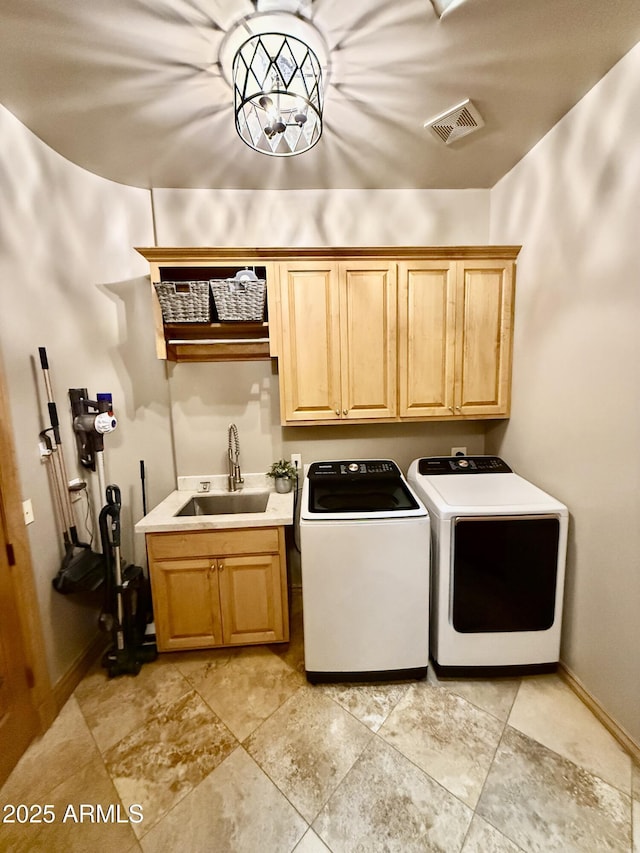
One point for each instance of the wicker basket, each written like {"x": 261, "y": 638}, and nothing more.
{"x": 239, "y": 298}
{"x": 184, "y": 301}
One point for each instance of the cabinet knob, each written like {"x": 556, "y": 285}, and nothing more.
{"x": 345, "y": 412}
{"x": 221, "y": 566}
{"x": 212, "y": 567}
{"x": 338, "y": 412}
{"x": 452, "y": 410}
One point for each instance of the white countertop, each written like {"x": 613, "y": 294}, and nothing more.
{"x": 162, "y": 518}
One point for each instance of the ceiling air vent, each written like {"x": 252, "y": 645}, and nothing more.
{"x": 456, "y": 122}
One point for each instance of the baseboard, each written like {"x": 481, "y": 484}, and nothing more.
{"x": 64, "y": 687}
{"x": 621, "y": 735}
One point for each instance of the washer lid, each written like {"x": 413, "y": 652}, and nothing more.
{"x": 370, "y": 489}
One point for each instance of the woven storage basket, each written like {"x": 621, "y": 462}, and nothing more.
{"x": 239, "y": 299}
{"x": 184, "y": 301}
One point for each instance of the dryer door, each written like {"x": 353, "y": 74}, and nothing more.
{"x": 504, "y": 573}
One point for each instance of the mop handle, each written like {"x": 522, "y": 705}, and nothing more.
{"x": 144, "y": 487}
{"x": 55, "y": 424}
{"x": 53, "y": 409}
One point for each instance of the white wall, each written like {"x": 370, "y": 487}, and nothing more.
{"x": 71, "y": 282}
{"x": 321, "y": 218}
{"x": 574, "y": 204}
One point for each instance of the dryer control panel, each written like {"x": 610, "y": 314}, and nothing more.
{"x": 463, "y": 465}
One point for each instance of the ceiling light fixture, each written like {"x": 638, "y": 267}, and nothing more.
{"x": 276, "y": 61}
{"x": 277, "y": 83}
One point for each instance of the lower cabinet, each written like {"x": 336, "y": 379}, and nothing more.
{"x": 218, "y": 587}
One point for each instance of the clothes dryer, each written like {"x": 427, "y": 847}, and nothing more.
{"x": 498, "y": 565}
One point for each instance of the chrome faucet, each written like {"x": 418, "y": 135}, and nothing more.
{"x": 235, "y": 477}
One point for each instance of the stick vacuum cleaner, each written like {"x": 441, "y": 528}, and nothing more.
{"x": 127, "y": 599}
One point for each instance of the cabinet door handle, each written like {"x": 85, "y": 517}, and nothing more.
{"x": 212, "y": 567}
{"x": 338, "y": 412}
{"x": 452, "y": 410}
{"x": 345, "y": 412}
{"x": 221, "y": 566}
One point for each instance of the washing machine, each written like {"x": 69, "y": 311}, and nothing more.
{"x": 364, "y": 542}
{"x": 497, "y": 567}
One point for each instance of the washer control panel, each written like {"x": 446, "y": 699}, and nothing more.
{"x": 463, "y": 465}
{"x": 374, "y": 468}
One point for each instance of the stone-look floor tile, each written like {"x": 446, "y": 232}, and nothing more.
{"x": 165, "y": 759}
{"x": 546, "y": 803}
{"x": 246, "y": 688}
{"x": 369, "y": 703}
{"x": 547, "y": 710}
{"x": 307, "y": 747}
{"x": 484, "y": 838}
{"x": 114, "y": 707}
{"x": 63, "y": 750}
{"x": 76, "y": 829}
{"x": 450, "y": 739}
{"x": 236, "y": 808}
{"x": 311, "y": 844}
{"x": 386, "y": 803}
{"x": 495, "y": 695}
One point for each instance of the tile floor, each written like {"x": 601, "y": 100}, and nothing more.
{"x": 234, "y": 751}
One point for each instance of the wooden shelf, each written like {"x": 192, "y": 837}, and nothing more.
{"x": 217, "y": 341}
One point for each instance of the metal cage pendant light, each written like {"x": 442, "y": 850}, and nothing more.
{"x": 277, "y": 81}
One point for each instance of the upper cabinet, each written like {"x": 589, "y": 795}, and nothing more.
{"x": 361, "y": 335}
{"x": 338, "y": 346}
{"x": 454, "y": 338}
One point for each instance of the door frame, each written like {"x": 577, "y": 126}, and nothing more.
{"x": 28, "y": 613}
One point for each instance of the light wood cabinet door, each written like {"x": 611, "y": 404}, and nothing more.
{"x": 310, "y": 344}
{"x": 426, "y": 338}
{"x": 455, "y": 338}
{"x": 251, "y": 599}
{"x": 338, "y": 346}
{"x": 484, "y": 325}
{"x": 186, "y": 604}
{"x": 368, "y": 340}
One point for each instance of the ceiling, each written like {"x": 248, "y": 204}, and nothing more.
{"x": 132, "y": 89}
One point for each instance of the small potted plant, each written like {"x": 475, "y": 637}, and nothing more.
{"x": 283, "y": 473}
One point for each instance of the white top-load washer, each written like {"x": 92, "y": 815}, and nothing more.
{"x": 364, "y": 541}
{"x": 498, "y": 565}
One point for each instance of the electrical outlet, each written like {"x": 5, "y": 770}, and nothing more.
{"x": 27, "y": 511}
{"x": 458, "y": 451}
{"x": 296, "y": 461}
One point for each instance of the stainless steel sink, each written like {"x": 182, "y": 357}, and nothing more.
{"x": 225, "y": 504}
